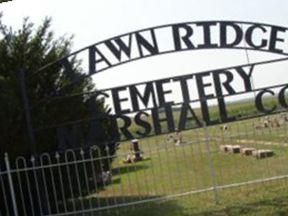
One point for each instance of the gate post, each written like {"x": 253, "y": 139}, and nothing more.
{"x": 27, "y": 109}
{"x": 211, "y": 166}
{"x": 11, "y": 186}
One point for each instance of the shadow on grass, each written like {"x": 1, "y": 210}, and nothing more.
{"x": 128, "y": 168}
{"x": 143, "y": 205}
{"x": 116, "y": 181}
{"x": 277, "y": 206}
{"x": 167, "y": 208}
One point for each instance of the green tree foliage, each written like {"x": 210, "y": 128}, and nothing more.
{"x": 29, "y": 49}
{"x": 2, "y": 1}
{"x": 53, "y": 101}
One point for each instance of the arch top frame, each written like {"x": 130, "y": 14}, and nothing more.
{"x": 146, "y": 42}
{"x": 121, "y": 49}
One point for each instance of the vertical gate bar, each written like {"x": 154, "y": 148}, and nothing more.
{"x": 87, "y": 187}
{"x": 93, "y": 167}
{"x": 29, "y": 186}
{"x": 48, "y": 209}
{"x": 211, "y": 166}
{"x": 19, "y": 179}
{"x": 76, "y": 162}
{"x": 123, "y": 200}
{"x": 53, "y": 182}
{"x": 100, "y": 158}
{"x": 4, "y": 193}
{"x": 60, "y": 168}
{"x": 108, "y": 157}
{"x": 70, "y": 183}
{"x": 33, "y": 161}
{"x": 171, "y": 182}
{"x": 27, "y": 110}
{"x": 11, "y": 186}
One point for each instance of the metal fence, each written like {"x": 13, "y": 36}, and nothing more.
{"x": 206, "y": 161}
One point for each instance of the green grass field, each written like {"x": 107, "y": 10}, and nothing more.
{"x": 171, "y": 174}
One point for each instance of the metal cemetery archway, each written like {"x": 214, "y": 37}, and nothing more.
{"x": 67, "y": 183}
{"x": 146, "y": 43}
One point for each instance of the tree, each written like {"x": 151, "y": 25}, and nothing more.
{"x": 52, "y": 99}
{"x": 29, "y": 49}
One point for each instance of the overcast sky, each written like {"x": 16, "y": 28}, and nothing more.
{"x": 94, "y": 20}
{"x": 91, "y": 21}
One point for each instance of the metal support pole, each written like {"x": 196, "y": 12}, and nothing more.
{"x": 211, "y": 166}
{"x": 27, "y": 110}
{"x": 11, "y": 186}
{"x": 30, "y": 131}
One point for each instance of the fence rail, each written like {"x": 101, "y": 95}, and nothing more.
{"x": 80, "y": 182}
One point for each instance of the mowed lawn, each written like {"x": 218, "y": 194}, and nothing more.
{"x": 174, "y": 176}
